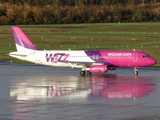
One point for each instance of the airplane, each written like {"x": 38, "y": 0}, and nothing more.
{"x": 91, "y": 61}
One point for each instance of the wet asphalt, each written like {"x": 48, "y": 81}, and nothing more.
{"x": 35, "y": 92}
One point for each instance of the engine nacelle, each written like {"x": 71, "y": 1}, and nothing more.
{"x": 111, "y": 68}
{"x": 98, "y": 69}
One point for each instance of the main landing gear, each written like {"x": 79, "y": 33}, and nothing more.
{"x": 88, "y": 73}
{"x": 135, "y": 70}
{"x": 83, "y": 73}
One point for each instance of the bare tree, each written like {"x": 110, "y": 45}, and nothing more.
{"x": 75, "y": 2}
{"x": 142, "y": 1}
{"x": 86, "y": 2}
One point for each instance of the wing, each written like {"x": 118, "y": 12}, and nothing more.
{"x": 80, "y": 64}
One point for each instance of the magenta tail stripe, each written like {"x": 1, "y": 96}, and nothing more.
{"x": 21, "y": 39}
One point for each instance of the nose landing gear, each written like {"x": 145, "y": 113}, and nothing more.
{"x": 135, "y": 70}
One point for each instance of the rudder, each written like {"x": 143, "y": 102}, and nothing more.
{"x": 22, "y": 42}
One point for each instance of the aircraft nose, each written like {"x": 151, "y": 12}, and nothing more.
{"x": 152, "y": 61}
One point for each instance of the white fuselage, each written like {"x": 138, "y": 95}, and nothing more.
{"x": 60, "y": 58}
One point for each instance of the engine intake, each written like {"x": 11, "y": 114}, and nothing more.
{"x": 98, "y": 69}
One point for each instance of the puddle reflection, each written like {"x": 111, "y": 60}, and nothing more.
{"x": 106, "y": 86}
{"x": 121, "y": 87}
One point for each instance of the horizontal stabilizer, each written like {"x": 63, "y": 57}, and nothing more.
{"x": 18, "y": 54}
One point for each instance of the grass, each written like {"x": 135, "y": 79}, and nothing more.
{"x": 99, "y": 36}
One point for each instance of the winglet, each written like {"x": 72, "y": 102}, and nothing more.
{"x": 22, "y": 42}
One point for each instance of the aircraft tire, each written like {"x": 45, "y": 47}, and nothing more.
{"x": 82, "y": 73}
{"x": 136, "y": 72}
{"x": 89, "y": 73}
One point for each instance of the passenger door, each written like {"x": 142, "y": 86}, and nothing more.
{"x": 135, "y": 57}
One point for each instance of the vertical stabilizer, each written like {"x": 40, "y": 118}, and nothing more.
{"x": 22, "y": 42}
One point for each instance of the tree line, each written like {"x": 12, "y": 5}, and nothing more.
{"x": 78, "y": 2}
{"x": 54, "y": 14}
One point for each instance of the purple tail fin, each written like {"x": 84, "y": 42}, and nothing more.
{"x": 22, "y": 42}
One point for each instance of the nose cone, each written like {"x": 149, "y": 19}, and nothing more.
{"x": 152, "y": 61}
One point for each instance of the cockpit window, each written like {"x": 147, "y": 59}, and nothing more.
{"x": 146, "y": 56}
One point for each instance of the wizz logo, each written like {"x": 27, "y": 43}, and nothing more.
{"x": 54, "y": 58}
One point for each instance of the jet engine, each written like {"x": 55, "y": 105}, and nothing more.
{"x": 111, "y": 68}
{"x": 98, "y": 69}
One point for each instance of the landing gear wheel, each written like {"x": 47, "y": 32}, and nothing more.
{"x": 82, "y": 73}
{"x": 89, "y": 73}
{"x": 136, "y": 72}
